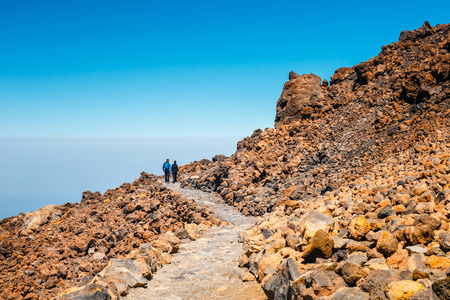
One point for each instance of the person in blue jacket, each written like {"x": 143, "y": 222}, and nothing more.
{"x": 167, "y": 168}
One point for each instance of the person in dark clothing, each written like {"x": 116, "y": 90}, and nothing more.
{"x": 166, "y": 168}
{"x": 174, "y": 171}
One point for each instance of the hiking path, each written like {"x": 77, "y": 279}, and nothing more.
{"x": 206, "y": 268}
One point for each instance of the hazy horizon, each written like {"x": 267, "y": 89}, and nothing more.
{"x": 37, "y": 172}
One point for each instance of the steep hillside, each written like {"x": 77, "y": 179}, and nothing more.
{"x": 326, "y": 134}
{"x": 353, "y": 183}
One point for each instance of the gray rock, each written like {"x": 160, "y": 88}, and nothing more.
{"x": 182, "y": 233}
{"x": 267, "y": 233}
{"x": 425, "y": 294}
{"x": 357, "y": 258}
{"x": 340, "y": 243}
{"x": 378, "y": 260}
{"x": 405, "y": 275}
{"x": 377, "y": 282}
{"x": 253, "y": 262}
{"x": 277, "y": 287}
{"x": 436, "y": 274}
{"x": 99, "y": 255}
{"x": 33, "y": 220}
{"x": 314, "y": 221}
{"x": 444, "y": 241}
{"x": 378, "y": 198}
{"x": 89, "y": 292}
{"x": 124, "y": 273}
{"x": 293, "y": 242}
{"x": 417, "y": 249}
{"x": 374, "y": 236}
{"x": 415, "y": 261}
{"x": 427, "y": 283}
{"x": 350, "y": 293}
{"x": 385, "y": 212}
{"x": 294, "y": 271}
{"x": 312, "y": 283}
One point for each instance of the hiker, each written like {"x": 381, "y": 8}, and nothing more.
{"x": 166, "y": 168}
{"x": 174, "y": 171}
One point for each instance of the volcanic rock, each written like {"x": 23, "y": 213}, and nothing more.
{"x": 387, "y": 244}
{"x": 320, "y": 245}
{"x": 403, "y": 290}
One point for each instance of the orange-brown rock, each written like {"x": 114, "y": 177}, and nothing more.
{"x": 57, "y": 247}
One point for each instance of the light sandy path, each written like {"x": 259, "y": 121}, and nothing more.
{"x": 206, "y": 268}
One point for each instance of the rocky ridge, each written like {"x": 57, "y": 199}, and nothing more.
{"x": 352, "y": 186}
{"x": 101, "y": 246}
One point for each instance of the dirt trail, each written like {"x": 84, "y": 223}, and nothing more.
{"x": 206, "y": 268}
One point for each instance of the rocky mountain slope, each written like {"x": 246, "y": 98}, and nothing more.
{"x": 134, "y": 228}
{"x": 353, "y": 183}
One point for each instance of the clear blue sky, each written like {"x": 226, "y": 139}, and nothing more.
{"x": 178, "y": 68}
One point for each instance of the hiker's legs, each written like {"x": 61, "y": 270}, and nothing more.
{"x": 167, "y": 173}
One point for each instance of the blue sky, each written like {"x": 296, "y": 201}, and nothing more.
{"x": 89, "y": 69}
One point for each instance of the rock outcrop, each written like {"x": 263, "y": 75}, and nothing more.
{"x": 301, "y": 96}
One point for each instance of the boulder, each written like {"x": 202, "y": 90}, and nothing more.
{"x": 415, "y": 261}
{"x": 358, "y": 228}
{"x": 417, "y": 249}
{"x": 419, "y": 189}
{"x": 33, "y": 220}
{"x": 313, "y": 284}
{"x": 162, "y": 245}
{"x": 425, "y": 294}
{"x": 278, "y": 286}
{"x": 88, "y": 292}
{"x": 146, "y": 262}
{"x": 314, "y": 221}
{"x": 418, "y": 235}
{"x": 172, "y": 240}
{"x": 293, "y": 241}
{"x": 352, "y": 273}
{"x": 182, "y": 233}
{"x": 268, "y": 264}
{"x": 387, "y": 244}
{"x": 124, "y": 274}
{"x": 403, "y": 290}
{"x": 438, "y": 262}
{"x": 444, "y": 241}
{"x": 377, "y": 282}
{"x": 346, "y": 293}
{"x": 321, "y": 245}
{"x": 441, "y": 288}
{"x": 357, "y": 258}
